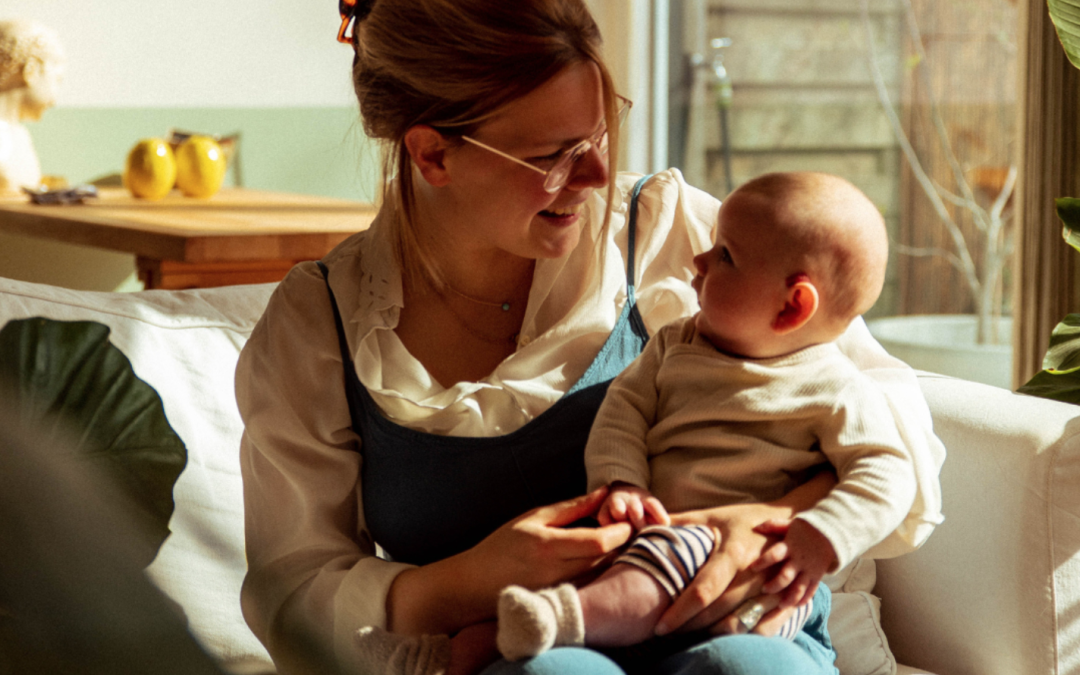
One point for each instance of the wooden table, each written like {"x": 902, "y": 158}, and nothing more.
{"x": 238, "y": 236}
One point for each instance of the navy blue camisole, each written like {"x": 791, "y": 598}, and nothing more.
{"x": 427, "y": 497}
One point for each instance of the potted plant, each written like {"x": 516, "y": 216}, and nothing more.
{"x": 1060, "y": 377}
{"x": 970, "y": 346}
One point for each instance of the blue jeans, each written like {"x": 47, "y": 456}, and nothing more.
{"x": 810, "y": 653}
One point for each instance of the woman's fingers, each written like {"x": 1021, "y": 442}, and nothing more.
{"x": 693, "y": 608}
{"x": 589, "y": 542}
{"x": 749, "y": 617}
{"x": 564, "y": 513}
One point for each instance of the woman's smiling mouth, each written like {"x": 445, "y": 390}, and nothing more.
{"x": 565, "y": 212}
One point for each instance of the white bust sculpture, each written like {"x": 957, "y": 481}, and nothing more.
{"x": 32, "y": 64}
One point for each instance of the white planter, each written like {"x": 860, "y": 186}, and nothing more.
{"x": 945, "y": 343}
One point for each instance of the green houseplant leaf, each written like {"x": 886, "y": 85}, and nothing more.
{"x": 1068, "y": 210}
{"x": 1060, "y": 377}
{"x": 67, "y": 378}
{"x": 1066, "y": 17}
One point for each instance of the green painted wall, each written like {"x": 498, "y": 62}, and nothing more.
{"x": 319, "y": 151}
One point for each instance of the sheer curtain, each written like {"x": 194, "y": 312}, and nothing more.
{"x": 1048, "y": 270}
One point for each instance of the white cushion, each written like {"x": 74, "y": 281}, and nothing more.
{"x": 855, "y": 622}
{"x": 184, "y": 344}
{"x": 996, "y": 589}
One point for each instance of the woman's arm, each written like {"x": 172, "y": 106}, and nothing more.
{"x": 725, "y": 581}
{"x": 535, "y": 550}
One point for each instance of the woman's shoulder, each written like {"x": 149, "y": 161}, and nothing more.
{"x": 353, "y": 269}
{"x": 669, "y": 188}
{"x": 666, "y": 203}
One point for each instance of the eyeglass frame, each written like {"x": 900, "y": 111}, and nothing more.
{"x": 569, "y": 157}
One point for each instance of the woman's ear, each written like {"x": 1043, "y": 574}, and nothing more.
{"x": 800, "y": 305}
{"x": 427, "y": 148}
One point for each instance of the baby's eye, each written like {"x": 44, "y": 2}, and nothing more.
{"x": 725, "y": 255}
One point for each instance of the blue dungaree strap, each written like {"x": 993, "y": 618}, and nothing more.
{"x": 427, "y": 497}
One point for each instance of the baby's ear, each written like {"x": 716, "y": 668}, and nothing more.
{"x": 427, "y": 148}
{"x": 800, "y": 305}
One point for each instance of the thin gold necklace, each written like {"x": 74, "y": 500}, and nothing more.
{"x": 504, "y": 306}
{"x": 501, "y": 340}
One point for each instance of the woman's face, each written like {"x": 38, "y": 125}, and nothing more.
{"x": 503, "y": 205}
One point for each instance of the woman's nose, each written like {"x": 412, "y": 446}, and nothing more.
{"x": 590, "y": 171}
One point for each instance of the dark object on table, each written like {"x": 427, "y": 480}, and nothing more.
{"x": 76, "y": 195}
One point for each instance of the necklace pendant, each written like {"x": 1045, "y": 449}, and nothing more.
{"x": 506, "y": 307}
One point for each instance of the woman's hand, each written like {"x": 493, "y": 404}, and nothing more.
{"x": 537, "y": 550}
{"x": 534, "y": 550}
{"x": 726, "y": 580}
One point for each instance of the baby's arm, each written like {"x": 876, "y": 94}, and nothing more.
{"x": 874, "y": 493}
{"x": 806, "y": 554}
{"x": 628, "y": 503}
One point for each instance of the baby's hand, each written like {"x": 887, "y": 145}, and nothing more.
{"x": 807, "y": 556}
{"x": 627, "y": 503}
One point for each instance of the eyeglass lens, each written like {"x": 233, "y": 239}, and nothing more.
{"x": 559, "y": 174}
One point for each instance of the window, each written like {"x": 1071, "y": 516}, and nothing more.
{"x": 914, "y": 101}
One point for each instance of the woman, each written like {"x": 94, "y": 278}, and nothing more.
{"x": 479, "y": 320}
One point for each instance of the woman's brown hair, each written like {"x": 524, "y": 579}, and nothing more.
{"x": 452, "y": 64}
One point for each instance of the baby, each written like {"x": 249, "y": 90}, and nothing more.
{"x": 741, "y": 403}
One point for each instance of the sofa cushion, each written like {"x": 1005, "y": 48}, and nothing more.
{"x": 996, "y": 590}
{"x": 184, "y": 344}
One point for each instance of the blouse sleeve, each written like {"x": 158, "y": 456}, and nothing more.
{"x": 675, "y": 223}
{"x": 313, "y": 577}
{"x": 912, "y": 415}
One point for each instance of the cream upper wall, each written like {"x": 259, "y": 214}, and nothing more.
{"x": 243, "y": 53}
{"x": 196, "y": 53}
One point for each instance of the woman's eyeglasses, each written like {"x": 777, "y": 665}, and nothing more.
{"x": 563, "y": 163}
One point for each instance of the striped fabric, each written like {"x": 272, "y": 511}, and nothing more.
{"x": 673, "y": 555}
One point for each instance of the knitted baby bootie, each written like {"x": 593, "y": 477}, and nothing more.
{"x": 532, "y": 623}
{"x": 386, "y": 653}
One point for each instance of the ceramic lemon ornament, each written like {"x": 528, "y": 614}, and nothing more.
{"x": 150, "y": 169}
{"x": 200, "y": 167}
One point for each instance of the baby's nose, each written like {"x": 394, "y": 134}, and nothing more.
{"x": 699, "y": 263}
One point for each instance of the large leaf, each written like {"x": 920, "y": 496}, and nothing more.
{"x": 1068, "y": 210}
{"x": 1066, "y": 17}
{"x": 1060, "y": 377}
{"x": 69, "y": 380}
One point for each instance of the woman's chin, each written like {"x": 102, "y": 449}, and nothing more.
{"x": 555, "y": 242}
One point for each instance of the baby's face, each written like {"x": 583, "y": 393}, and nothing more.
{"x": 741, "y": 285}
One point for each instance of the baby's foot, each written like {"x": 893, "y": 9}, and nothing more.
{"x": 390, "y": 654}
{"x": 532, "y": 623}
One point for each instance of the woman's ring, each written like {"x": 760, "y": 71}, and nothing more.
{"x": 749, "y": 613}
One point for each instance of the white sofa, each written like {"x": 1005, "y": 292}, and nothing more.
{"x": 995, "y": 591}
